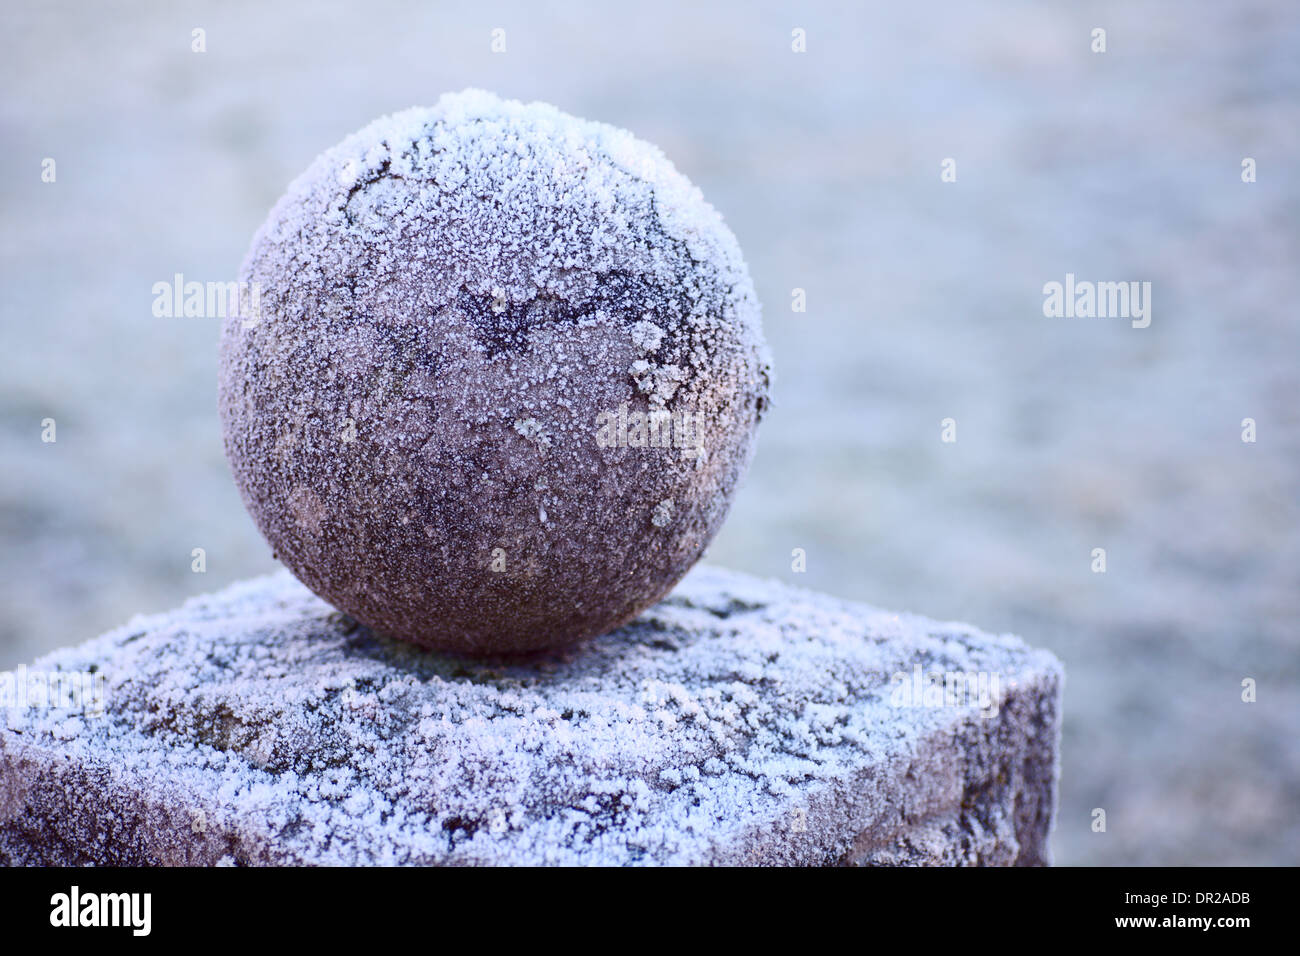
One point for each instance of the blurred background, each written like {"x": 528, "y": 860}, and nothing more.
{"x": 924, "y": 302}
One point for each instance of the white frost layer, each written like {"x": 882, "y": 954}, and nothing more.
{"x": 736, "y": 721}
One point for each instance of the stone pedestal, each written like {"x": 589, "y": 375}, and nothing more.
{"x": 737, "y": 722}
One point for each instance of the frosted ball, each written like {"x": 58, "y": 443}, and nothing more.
{"x": 495, "y": 376}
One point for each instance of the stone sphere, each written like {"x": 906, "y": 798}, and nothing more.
{"x": 494, "y": 378}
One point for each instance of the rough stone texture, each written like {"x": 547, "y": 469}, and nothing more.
{"x": 737, "y": 721}
{"x": 455, "y": 303}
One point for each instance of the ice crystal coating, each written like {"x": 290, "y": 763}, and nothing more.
{"x": 443, "y": 312}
